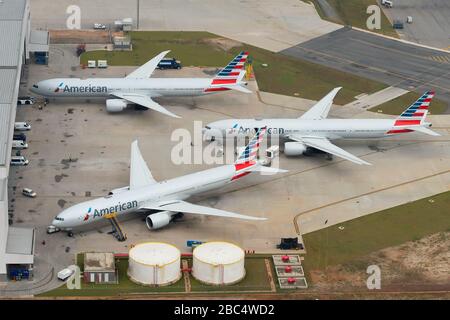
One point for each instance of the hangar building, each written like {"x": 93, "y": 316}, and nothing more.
{"x": 17, "y": 42}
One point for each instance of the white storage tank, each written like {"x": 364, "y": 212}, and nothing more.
{"x": 218, "y": 263}
{"x": 154, "y": 264}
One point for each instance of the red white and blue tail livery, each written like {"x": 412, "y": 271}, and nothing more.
{"x": 313, "y": 130}
{"x": 413, "y": 118}
{"x": 247, "y": 161}
{"x": 230, "y": 77}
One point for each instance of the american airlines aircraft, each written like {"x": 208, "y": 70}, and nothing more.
{"x": 164, "y": 201}
{"x": 314, "y": 131}
{"x": 138, "y": 88}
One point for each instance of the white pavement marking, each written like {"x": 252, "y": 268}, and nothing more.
{"x": 372, "y": 100}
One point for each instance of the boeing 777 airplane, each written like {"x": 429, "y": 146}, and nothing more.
{"x": 138, "y": 88}
{"x": 163, "y": 201}
{"x": 314, "y": 131}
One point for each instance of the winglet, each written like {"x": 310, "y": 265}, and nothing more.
{"x": 140, "y": 175}
{"x": 321, "y": 109}
{"x": 146, "y": 70}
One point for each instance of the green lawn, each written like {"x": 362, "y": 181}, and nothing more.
{"x": 398, "y": 105}
{"x": 353, "y": 13}
{"x": 192, "y": 48}
{"x": 283, "y": 75}
{"x": 391, "y": 227}
{"x": 255, "y": 279}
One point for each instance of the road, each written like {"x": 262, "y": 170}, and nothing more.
{"x": 389, "y": 61}
{"x": 431, "y": 22}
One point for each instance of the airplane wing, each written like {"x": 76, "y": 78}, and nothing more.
{"x": 146, "y": 70}
{"x": 325, "y": 145}
{"x": 186, "y": 207}
{"x": 144, "y": 101}
{"x": 320, "y": 109}
{"x": 140, "y": 174}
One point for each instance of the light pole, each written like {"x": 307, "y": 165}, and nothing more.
{"x": 137, "y": 14}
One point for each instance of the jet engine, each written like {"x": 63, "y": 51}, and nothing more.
{"x": 294, "y": 148}
{"x": 159, "y": 220}
{"x": 116, "y": 105}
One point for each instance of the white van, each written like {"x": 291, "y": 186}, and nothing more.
{"x": 22, "y": 126}
{"x": 19, "y": 144}
{"x": 92, "y": 64}
{"x": 64, "y": 274}
{"x": 19, "y": 161}
{"x": 102, "y": 64}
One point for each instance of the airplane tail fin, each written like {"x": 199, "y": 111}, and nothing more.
{"x": 230, "y": 77}
{"x": 413, "y": 118}
{"x": 251, "y": 149}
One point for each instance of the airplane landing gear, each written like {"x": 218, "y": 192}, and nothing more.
{"x": 70, "y": 234}
{"x": 329, "y": 157}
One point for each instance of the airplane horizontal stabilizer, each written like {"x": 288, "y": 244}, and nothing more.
{"x": 186, "y": 207}
{"x": 424, "y": 130}
{"x": 267, "y": 169}
{"x": 238, "y": 88}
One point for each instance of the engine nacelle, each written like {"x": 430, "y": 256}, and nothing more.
{"x": 116, "y": 105}
{"x": 294, "y": 148}
{"x": 159, "y": 220}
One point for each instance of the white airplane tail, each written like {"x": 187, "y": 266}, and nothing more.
{"x": 230, "y": 77}
{"x": 413, "y": 118}
{"x": 247, "y": 161}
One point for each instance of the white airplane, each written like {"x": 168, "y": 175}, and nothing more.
{"x": 313, "y": 131}
{"x": 163, "y": 201}
{"x": 139, "y": 89}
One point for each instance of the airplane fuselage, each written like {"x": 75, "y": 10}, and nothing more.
{"x": 106, "y": 87}
{"x": 329, "y": 128}
{"x": 129, "y": 201}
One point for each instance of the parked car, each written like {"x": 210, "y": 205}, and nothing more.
{"x": 99, "y": 26}
{"x": 19, "y": 161}
{"x": 19, "y": 144}
{"x": 398, "y": 24}
{"x": 169, "y": 63}
{"x": 25, "y": 100}
{"x": 64, "y": 274}
{"x": 20, "y": 136}
{"x": 22, "y": 126}
{"x": 29, "y": 193}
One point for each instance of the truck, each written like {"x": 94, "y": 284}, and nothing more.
{"x": 64, "y": 274}
{"x": 102, "y": 64}
{"x": 169, "y": 63}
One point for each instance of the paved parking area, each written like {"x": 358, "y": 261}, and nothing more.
{"x": 98, "y": 144}
{"x": 273, "y": 25}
